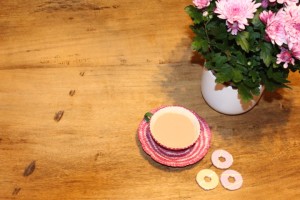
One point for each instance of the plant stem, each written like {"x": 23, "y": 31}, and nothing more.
{"x": 206, "y": 33}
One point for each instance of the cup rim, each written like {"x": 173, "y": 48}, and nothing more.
{"x": 181, "y": 110}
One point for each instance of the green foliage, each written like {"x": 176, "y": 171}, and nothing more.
{"x": 242, "y": 40}
{"x": 195, "y": 14}
{"x": 245, "y": 60}
{"x": 244, "y": 92}
{"x": 224, "y": 74}
{"x": 266, "y": 53}
{"x": 256, "y": 21}
{"x": 200, "y": 44}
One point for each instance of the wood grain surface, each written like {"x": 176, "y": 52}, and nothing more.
{"x": 104, "y": 63}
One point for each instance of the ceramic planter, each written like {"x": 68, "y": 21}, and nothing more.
{"x": 222, "y": 98}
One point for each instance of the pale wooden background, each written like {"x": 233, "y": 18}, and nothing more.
{"x": 134, "y": 56}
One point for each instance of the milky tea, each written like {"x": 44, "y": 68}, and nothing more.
{"x": 176, "y": 128}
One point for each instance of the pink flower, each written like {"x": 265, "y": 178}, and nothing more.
{"x": 201, "y": 3}
{"x": 287, "y": 2}
{"x": 233, "y": 28}
{"x": 296, "y": 51}
{"x": 236, "y": 13}
{"x": 275, "y": 28}
{"x": 283, "y": 28}
{"x": 266, "y": 37}
{"x": 264, "y": 3}
{"x": 292, "y": 25}
{"x": 286, "y": 57}
{"x": 265, "y": 16}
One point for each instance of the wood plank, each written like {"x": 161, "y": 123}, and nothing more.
{"x": 122, "y": 58}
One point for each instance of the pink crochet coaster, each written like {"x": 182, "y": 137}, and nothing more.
{"x": 175, "y": 158}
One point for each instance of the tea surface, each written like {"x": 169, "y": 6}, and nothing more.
{"x": 174, "y": 130}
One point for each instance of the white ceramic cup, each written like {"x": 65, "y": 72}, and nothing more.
{"x": 174, "y": 127}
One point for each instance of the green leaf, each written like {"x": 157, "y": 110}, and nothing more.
{"x": 224, "y": 74}
{"x": 275, "y": 65}
{"x": 254, "y": 75}
{"x": 255, "y": 91}
{"x": 255, "y": 35}
{"x": 278, "y": 76}
{"x": 266, "y": 53}
{"x": 240, "y": 58}
{"x": 198, "y": 30}
{"x": 211, "y": 25}
{"x": 200, "y": 44}
{"x": 219, "y": 59}
{"x": 270, "y": 84}
{"x": 222, "y": 46}
{"x": 249, "y": 83}
{"x": 237, "y": 76}
{"x": 256, "y": 21}
{"x": 244, "y": 93}
{"x": 217, "y": 30}
{"x": 242, "y": 40}
{"x": 148, "y": 116}
{"x": 209, "y": 65}
{"x": 194, "y": 13}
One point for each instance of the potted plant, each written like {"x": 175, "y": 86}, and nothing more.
{"x": 247, "y": 45}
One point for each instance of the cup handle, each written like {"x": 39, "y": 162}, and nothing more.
{"x": 148, "y": 116}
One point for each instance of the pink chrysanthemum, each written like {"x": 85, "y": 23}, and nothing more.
{"x": 264, "y": 3}
{"x": 232, "y": 28}
{"x": 276, "y": 28}
{"x": 292, "y": 25}
{"x": 286, "y": 57}
{"x": 236, "y": 13}
{"x": 284, "y": 26}
{"x": 296, "y": 51}
{"x": 265, "y": 16}
{"x": 201, "y": 3}
{"x": 287, "y": 2}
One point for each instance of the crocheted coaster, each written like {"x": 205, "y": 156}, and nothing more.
{"x": 175, "y": 158}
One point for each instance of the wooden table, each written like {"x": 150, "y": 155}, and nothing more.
{"x": 122, "y": 58}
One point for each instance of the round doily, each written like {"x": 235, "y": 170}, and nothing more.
{"x": 175, "y": 158}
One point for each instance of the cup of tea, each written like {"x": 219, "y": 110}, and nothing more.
{"x": 174, "y": 127}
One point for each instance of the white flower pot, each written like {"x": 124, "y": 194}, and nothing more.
{"x": 224, "y": 99}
